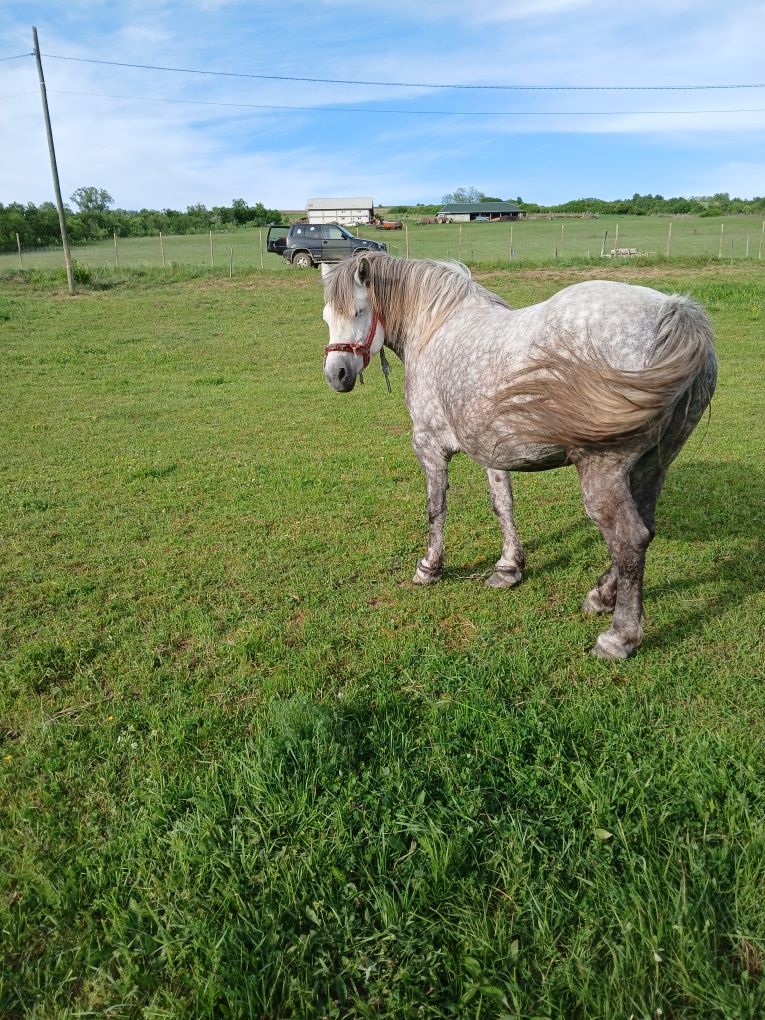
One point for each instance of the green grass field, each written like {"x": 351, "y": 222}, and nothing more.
{"x": 733, "y": 237}
{"x": 248, "y": 770}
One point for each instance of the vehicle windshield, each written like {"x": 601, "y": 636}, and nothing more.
{"x": 334, "y": 232}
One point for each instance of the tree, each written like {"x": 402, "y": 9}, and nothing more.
{"x": 257, "y": 214}
{"x": 240, "y": 211}
{"x": 91, "y": 200}
{"x": 462, "y": 196}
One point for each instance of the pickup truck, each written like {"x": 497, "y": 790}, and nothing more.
{"x": 310, "y": 244}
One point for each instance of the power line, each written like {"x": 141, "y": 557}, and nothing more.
{"x": 400, "y": 112}
{"x": 408, "y": 84}
{"x": 18, "y": 56}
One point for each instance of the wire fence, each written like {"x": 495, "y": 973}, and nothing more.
{"x": 539, "y": 240}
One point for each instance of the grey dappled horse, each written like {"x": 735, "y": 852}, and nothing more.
{"x": 608, "y": 377}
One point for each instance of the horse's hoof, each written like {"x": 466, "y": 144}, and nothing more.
{"x": 504, "y": 579}
{"x": 609, "y": 646}
{"x": 593, "y": 603}
{"x": 424, "y": 575}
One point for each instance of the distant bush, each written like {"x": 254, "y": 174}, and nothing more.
{"x": 80, "y": 273}
{"x": 414, "y": 210}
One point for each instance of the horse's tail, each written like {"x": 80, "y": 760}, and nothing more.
{"x": 568, "y": 398}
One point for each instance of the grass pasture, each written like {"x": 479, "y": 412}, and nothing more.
{"x": 737, "y": 238}
{"x": 248, "y": 770}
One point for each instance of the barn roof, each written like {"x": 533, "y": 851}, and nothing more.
{"x": 340, "y": 203}
{"x": 480, "y": 207}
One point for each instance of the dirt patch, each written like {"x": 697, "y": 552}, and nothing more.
{"x": 575, "y": 274}
{"x": 257, "y": 280}
{"x": 751, "y": 956}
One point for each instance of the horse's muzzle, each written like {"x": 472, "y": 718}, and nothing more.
{"x": 340, "y": 373}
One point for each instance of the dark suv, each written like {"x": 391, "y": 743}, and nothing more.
{"x": 308, "y": 244}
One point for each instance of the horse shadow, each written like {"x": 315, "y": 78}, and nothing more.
{"x": 711, "y": 502}
{"x": 702, "y": 502}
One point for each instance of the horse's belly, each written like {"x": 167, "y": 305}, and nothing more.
{"x": 548, "y": 457}
{"x": 496, "y": 450}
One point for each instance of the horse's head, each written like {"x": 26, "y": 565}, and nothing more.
{"x": 355, "y": 330}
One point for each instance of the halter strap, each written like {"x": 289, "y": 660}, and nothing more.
{"x": 361, "y": 347}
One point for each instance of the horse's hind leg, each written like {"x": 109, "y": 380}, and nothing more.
{"x": 646, "y": 480}
{"x": 602, "y": 598}
{"x": 609, "y": 502}
{"x": 508, "y": 568}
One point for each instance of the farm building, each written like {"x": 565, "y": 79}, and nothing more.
{"x": 340, "y": 210}
{"x": 464, "y": 212}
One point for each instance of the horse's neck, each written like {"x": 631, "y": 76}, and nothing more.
{"x": 398, "y": 348}
{"x": 396, "y": 344}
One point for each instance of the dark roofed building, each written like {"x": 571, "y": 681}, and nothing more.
{"x": 464, "y": 212}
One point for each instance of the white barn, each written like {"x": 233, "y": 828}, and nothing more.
{"x": 340, "y": 210}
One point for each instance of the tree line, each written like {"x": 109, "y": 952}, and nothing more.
{"x": 92, "y": 219}
{"x": 720, "y": 204}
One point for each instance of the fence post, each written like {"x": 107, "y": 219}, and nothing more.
{"x": 719, "y": 250}
{"x": 212, "y": 257}
{"x": 511, "y": 242}
{"x": 603, "y": 245}
{"x": 18, "y": 245}
{"x": 669, "y": 239}
{"x": 260, "y": 245}
{"x": 162, "y": 248}
{"x": 116, "y": 256}
{"x": 459, "y": 256}
{"x": 231, "y": 262}
{"x": 406, "y": 234}
{"x": 762, "y": 237}
{"x": 616, "y": 242}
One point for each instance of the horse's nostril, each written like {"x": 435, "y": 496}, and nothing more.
{"x": 341, "y": 374}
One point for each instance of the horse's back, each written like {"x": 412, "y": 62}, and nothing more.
{"x": 618, "y": 320}
{"x": 605, "y": 293}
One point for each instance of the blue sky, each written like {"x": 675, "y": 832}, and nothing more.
{"x": 170, "y": 140}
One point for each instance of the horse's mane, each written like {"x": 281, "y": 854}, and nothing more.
{"x": 413, "y": 297}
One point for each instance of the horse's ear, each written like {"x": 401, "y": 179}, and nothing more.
{"x": 362, "y": 273}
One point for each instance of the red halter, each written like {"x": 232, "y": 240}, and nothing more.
{"x": 362, "y": 348}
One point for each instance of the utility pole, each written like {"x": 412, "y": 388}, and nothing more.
{"x": 54, "y": 167}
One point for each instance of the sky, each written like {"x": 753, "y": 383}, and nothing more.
{"x": 169, "y": 139}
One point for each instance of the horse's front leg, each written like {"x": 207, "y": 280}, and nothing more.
{"x": 509, "y": 567}
{"x": 435, "y": 463}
